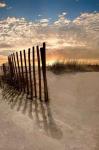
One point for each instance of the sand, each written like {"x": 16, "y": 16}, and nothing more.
{"x": 69, "y": 122}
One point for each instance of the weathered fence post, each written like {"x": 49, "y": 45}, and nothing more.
{"x": 26, "y": 72}
{"x": 43, "y": 60}
{"x": 39, "y": 73}
{"x": 29, "y": 61}
{"x": 14, "y": 65}
{"x": 13, "y": 70}
{"x": 19, "y": 73}
{"x": 4, "y": 71}
{"x": 22, "y": 73}
{"x": 16, "y": 73}
{"x": 34, "y": 73}
{"x": 10, "y": 67}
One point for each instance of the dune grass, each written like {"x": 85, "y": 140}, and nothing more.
{"x": 74, "y": 66}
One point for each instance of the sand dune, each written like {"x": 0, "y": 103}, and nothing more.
{"x": 69, "y": 122}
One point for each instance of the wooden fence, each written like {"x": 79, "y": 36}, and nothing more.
{"x": 26, "y": 71}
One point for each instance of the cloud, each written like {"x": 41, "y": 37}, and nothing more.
{"x": 6, "y": 52}
{"x": 3, "y": 59}
{"x": 5, "y": 45}
{"x": 62, "y": 20}
{"x": 78, "y": 37}
{"x": 64, "y": 13}
{"x": 2, "y": 5}
{"x": 88, "y": 23}
{"x": 39, "y": 15}
{"x": 44, "y": 20}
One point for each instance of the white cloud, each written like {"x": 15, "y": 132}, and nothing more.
{"x": 2, "y": 4}
{"x": 63, "y": 14}
{"x": 62, "y": 20}
{"x": 39, "y": 15}
{"x": 82, "y": 33}
{"x": 89, "y": 24}
{"x": 44, "y": 20}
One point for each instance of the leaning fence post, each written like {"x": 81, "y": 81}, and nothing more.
{"x": 29, "y": 61}
{"x": 19, "y": 74}
{"x": 43, "y": 60}
{"x": 39, "y": 73}
{"x": 13, "y": 70}
{"x": 16, "y": 72}
{"x": 23, "y": 87}
{"x": 26, "y": 72}
{"x": 11, "y": 66}
{"x": 34, "y": 73}
{"x": 12, "y": 59}
{"x": 4, "y": 71}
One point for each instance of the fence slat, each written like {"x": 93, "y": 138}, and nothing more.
{"x": 43, "y": 60}
{"x": 39, "y": 73}
{"x": 34, "y": 73}
{"x": 14, "y": 67}
{"x": 16, "y": 70}
{"x": 10, "y": 66}
{"x": 22, "y": 73}
{"x": 29, "y": 61}
{"x": 26, "y": 72}
{"x": 4, "y": 71}
{"x": 19, "y": 74}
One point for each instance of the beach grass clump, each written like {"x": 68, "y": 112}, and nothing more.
{"x": 72, "y": 66}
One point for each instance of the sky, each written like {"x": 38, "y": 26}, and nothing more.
{"x": 70, "y": 28}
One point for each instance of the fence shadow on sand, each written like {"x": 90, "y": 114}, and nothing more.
{"x": 39, "y": 111}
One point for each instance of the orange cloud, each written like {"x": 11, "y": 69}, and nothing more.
{"x": 3, "y": 59}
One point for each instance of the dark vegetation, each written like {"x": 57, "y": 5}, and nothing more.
{"x": 74, "y": 66}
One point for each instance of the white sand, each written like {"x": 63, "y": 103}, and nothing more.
{"x": 70, "y": 122}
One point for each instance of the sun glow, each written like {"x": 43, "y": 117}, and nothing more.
{"x": 51, "y": 62}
